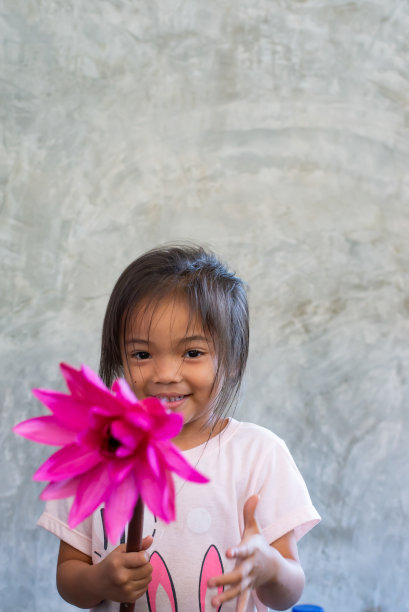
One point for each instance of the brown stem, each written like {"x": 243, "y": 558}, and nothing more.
{"x": 134, "y": 542}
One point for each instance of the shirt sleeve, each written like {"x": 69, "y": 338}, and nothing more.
{"x": 285, "y": 504}
{"x": 55, "y": 520}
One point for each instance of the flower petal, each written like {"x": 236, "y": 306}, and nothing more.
{"x": 169, "y": 428}
{"x": 92, "y": 377}
{"x": 85, "y": 385}
{"x": 153, "y": 459}
{"x": 125, "y": 434}
{"x": 176, "y": 462}
{"x": 69, "y": 461}
{"x": 155, "y": 491}
{"x": 155, "y": 406}
{"x": 119, "y": 507}
{"x": 61, "y": 489}
{"x": 139, "y": 419}
{"x": 91, "y": 492}
{"x": 45, "y": 430}
{"x": 164, "y": 423}
{"x": 124, "y": 392}
{"x": 70, "y": 412}
{"x": 90, "y": 439}
{"x": 119, "y": 469}
{"x": 169, "y": 497}
{"x": 108, "y": 409}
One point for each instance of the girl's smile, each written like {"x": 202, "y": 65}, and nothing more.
{"x": 172, "y": 401}
{"x": 167, "y": 354}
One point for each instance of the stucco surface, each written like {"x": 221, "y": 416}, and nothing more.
{"x": 277, "y": 133}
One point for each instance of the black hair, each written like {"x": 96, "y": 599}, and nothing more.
{"x": 213, "y": 293}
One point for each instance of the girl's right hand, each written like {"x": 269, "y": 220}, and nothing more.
{"x": 125, "y": 576}
{"x": 121, "y": 576}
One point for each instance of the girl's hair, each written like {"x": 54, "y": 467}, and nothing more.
{"x": 212, "y": 292}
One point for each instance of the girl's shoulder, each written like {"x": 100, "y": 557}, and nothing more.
{"x": 245, "y": 428}
{"x": 245, "y": 433}
{"x": 239, "y": 439}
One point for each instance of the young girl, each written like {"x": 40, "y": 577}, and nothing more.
{"x": 176, "y": 327}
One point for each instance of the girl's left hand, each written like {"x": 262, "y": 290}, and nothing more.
{"x": 256, "y": 563}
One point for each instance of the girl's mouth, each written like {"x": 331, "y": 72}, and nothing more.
{"x": 172, "y": 401}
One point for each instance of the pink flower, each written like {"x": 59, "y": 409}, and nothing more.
{"x": 114, "y": 449}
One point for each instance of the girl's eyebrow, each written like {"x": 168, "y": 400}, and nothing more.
{"x": 195, "y": 338}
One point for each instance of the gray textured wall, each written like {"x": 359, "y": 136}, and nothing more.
{"x": 275, "y": 132}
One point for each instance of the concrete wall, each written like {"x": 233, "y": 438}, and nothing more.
{"x": 275, "y": 132}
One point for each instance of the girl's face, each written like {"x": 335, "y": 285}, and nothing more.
{"x": 167, "y": 354}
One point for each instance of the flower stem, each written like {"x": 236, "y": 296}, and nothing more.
{"x": 134, "y": 542}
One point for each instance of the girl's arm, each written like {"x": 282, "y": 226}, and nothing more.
{"x": 273, "y": 570}
{"x": 121, "y": 576}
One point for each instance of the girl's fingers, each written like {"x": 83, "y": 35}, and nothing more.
{"x": 120, "y": 548}
{"x": 249, "y": 511}
{"x": 242, "y": 601}
{"x": 251, "y": 529}
{"x": 136, "y": 559}
{"x": 146, "y": 542}
{"x": 234, "y": 577}
{"x": 237, "y": 590}
{"x": 240, "y": 576}
{"x": 247, "y": 548}
{"x": 241, "y": 552}
{"x": 241, "y": 579}
{"x": 217, "y": 581}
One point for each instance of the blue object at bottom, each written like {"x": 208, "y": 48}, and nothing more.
{"x": 307, "y": 608}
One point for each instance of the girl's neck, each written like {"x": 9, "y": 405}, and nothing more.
{"x": 188, "y": 439}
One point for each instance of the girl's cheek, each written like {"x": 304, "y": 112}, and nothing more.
{"x": 128, "y": 375}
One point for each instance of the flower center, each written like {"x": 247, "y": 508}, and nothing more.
{"x": 109, "y": 444}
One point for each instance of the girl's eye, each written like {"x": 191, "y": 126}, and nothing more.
{"x": 192, "y": 353}
{"x": 141, "y": 355}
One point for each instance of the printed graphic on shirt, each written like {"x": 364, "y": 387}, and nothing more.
{"x": 122, "y": 541}
{"x": 162, "y": 581}
{"x": 161, "y": 594}
{"x": 199, "y": 520}
{"x": 212, "y": 566}
{"x": 160, "y": 578}
{"x": 123, "y": 537}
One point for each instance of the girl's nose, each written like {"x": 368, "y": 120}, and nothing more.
{"x": 167, "y": 370}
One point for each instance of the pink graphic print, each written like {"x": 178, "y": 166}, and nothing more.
{"x": 160, "y": 577}
{"x": 212, "y": 566}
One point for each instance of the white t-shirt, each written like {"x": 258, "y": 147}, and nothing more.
{"x": 243, "y": 460}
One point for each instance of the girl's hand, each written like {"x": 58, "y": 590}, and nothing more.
{"x": 121, "y": 576}
{"x": 125, "y": 576}
{"x": 257, "y": 562}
